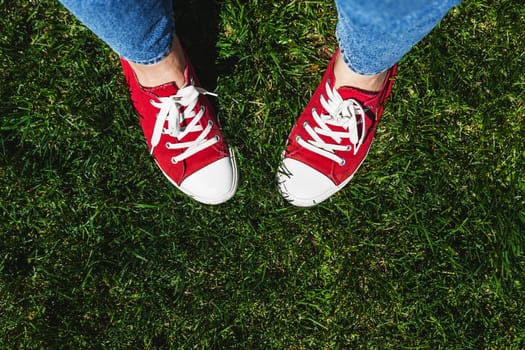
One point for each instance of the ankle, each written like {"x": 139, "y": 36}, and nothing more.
{"x": 169, "y": 69}
{"x": 346, "y": 77}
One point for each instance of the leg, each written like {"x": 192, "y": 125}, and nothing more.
{"x": 147, "y": 42}
{"x": 373, "y": 35}
{"x": 334, "y": 133}
{"x": 389, "y": 29}
{"x": 123, "y": 25}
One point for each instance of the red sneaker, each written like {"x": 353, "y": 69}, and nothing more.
{"x": 330, "y": 140}
{"x": 184, "y": 137}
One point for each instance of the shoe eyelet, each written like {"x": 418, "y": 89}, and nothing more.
{"x": 174, "y": 160}
{"x": 305, "y": 124}
{"x": 298, "y": 138}
{"x": 342, "y": 162}
{"x": 168, "y": 145}
{"x": 218, "y": 138}
{"x": 210, "y": 122}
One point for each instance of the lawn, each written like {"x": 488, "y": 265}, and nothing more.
{"x": 423, "y": 250}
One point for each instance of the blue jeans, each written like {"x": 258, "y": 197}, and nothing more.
{"x": 372, "y": 34}
{"x": 139, "y": 30}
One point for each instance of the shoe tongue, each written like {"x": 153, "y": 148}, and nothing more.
{"x": 363, "y": 96}
{"x": 164, "y": 90}
{"x": 170, "y": 88}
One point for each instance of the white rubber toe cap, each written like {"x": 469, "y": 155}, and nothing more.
{"x": 213, "y": 184}
{"x": 302, "y": 185}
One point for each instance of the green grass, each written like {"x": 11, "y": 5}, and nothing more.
{"x": 423, "y": 250}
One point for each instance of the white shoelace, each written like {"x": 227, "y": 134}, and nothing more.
{"x": 347, "y": 114}
{"x": 176, "y": 109}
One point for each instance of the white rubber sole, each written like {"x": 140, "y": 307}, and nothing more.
{"x": 217, "y": 200}
{"x": 283, "y": 174}
{"x": 309, "y": 202}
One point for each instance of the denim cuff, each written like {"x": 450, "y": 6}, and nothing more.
{"x": 159, "y": 57}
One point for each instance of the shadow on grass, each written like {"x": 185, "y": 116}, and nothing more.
{"x": 197, "y": 25}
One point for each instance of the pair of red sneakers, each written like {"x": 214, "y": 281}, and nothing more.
{"x": 325, "y": 148}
